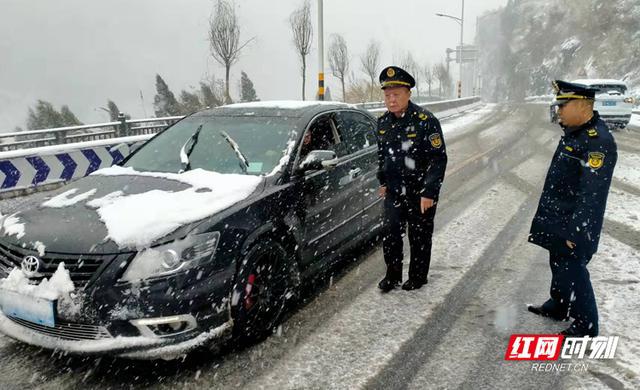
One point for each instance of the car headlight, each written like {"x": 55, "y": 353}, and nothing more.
{"x": 171, "y": 258}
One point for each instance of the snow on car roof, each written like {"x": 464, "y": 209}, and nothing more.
{"x": 599, "y": 81}
{"x": 285, "y": 104}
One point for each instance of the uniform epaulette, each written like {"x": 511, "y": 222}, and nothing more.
{"x": 593, "y": 133}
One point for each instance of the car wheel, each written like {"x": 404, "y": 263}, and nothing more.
{"x": 268, "y": 281}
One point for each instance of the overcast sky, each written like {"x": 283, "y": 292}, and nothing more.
{"x": 81, "y": 53}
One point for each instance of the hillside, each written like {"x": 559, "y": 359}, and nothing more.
{"x": 530, "y": 42}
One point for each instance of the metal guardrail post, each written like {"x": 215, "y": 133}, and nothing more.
{"x": 61, "y": 138}
{"x": 123, "y": 127}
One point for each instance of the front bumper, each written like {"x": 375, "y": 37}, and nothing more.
{"x": 137, "y": 347}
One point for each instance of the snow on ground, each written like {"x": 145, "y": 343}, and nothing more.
{"x": 367, "y": 333}
{"x": 635, "y": 120}
{"x": 458, "y": 125}
{"x": 628, "y": 168}
{"x": 615, "y": 274}
{"x": 624, "y": 207}
{"x": 137, "y": 220}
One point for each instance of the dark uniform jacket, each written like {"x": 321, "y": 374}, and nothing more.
{"x": 411, "y": 153}
{"x": 575, "y": 191}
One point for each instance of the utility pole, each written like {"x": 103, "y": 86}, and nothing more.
{"x": 320, "y": 51}
{"x": 461, "y": 46}
{"x": 460, "y": 21}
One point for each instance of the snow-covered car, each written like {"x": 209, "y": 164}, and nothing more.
{"x": 612, "y": 101}
{"x": 202, "y": 235}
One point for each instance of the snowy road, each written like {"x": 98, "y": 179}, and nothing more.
{"x": 452, "y": 333}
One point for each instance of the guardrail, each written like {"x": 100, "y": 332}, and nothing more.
{"x": 73, "y": 134}
{"x": 24, "y": 171}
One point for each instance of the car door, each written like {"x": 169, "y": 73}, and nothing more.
{"x": 358, "y": 130}
{"x": 330, "y": 210}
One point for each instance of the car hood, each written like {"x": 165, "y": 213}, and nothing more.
{"x": 118, "y": 210}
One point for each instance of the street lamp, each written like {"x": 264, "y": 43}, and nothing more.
{"x": 460, "y": 21}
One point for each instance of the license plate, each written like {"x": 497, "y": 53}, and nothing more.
{"x": 37, "y": 310}
{"x": 609, "y": 103}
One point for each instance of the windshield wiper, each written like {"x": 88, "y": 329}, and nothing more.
{"x": 244, "y": 162}
{"x": 187, "y": 148}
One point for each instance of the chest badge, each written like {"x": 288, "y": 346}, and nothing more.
{"x": 436, "y": 140}
{"x": 596, "y": 160}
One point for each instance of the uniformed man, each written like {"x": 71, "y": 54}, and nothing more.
{"x": 569, "y": 217}
{"x": 412, "y": 160}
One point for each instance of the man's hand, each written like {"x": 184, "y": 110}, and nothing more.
{"x": 382, "y": 191}
{"x": 571, "y": 245}
{"x": 425, "y": 204}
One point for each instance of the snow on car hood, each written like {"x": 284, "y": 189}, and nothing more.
{"x": 138, "y": 220}
{"x": 124, "y": 207}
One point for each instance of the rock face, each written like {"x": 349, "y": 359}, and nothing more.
{"x": 528, "y": 43}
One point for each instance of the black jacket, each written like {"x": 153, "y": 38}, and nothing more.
{"x": 412, "y": 156}
{"x": 575, "y": 191}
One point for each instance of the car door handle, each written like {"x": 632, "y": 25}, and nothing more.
{"x": 355, "y": 172}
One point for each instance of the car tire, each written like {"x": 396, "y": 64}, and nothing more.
{"x": 268, "y": 282}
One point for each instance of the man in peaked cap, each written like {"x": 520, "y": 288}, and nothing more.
{"x": 571, "y": 209}
{"x": 412, "y": 160}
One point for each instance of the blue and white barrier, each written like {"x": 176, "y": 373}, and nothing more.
{"x": 31, "y": 168}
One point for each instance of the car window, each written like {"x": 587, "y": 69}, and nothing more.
{"x": 262, "y": 140}
{"x": 322, "y": 134}
{"x": 357, "y": 129}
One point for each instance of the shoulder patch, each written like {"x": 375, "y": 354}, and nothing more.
{"x": 596, "y": 160}
{"x": 422, "y": 116}
{"x": 436, "y": 140}
{"x": 592, "y": 133}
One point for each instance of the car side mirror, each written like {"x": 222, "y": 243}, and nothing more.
{"x": 318, "y": 159}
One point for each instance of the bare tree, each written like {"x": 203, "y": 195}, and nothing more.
{"x": 370, "y": 61}
{"x": 339, "y": 59}
{"x": 302, "y": 29}
{"x": 410, "y": 65}
{"x": 444, "y": 78}
{"x": 224, "y": 39}
{"x": 427, "y": 73}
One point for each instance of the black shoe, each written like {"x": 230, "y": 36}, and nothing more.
{"x": 387, "y": 284}
{"x": 574, "y": 331}
{"x": 538, "y": 310}
{"x": 413, "y": 284}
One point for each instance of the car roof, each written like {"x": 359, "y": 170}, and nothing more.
{"x": 288, "y": 108}
{"x": 600, "y": 82}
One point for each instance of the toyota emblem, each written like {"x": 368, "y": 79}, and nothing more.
{"x": 30, "y": 266}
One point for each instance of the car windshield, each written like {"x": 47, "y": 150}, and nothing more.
{"x": 261, "y": 140}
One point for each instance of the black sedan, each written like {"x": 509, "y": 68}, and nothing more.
{"x": 202, "y": 235}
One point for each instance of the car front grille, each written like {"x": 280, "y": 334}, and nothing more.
{"x": 81, "y": 267}
{"x": 67, "y": 330}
